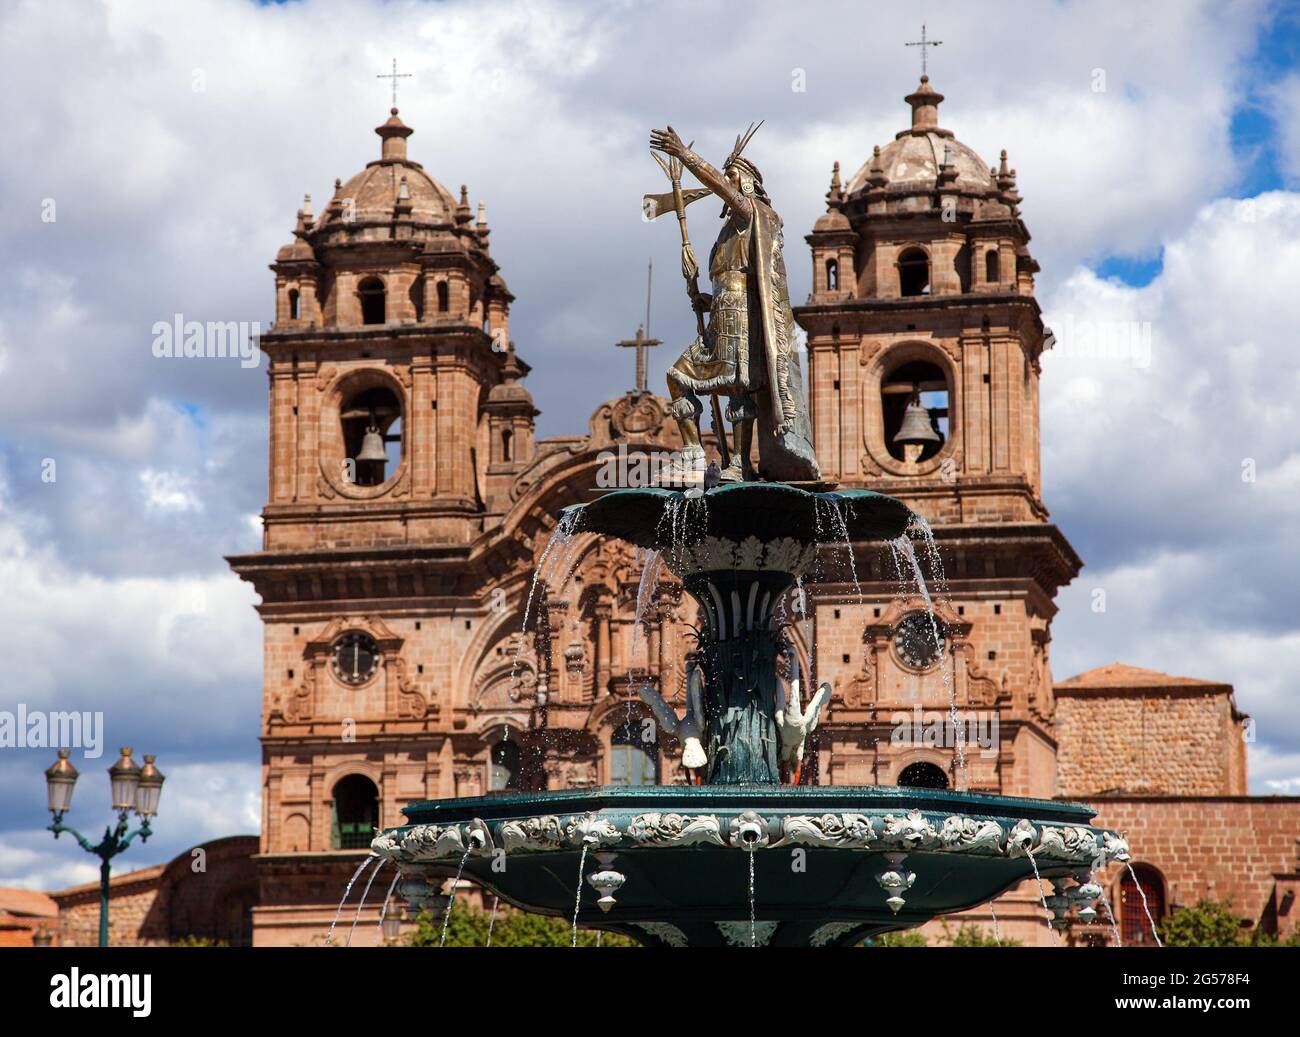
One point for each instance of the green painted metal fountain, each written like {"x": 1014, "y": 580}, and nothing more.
{"x": 744, "y": 858}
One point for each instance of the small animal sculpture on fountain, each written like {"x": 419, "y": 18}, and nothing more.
{"x": 748, "y": 352}
{"x": 689, "y": 728}
{"x": 794, "y": 723}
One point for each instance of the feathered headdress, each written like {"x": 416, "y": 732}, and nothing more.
{"x": 742, "y": 140}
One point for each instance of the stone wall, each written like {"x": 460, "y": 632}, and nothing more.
{"x": 1238, "y": 847}
{"x": 1162, "y": 742}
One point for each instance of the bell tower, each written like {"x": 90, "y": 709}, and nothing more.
{"x": 397, "y": 422}
{"x": 924, "y": 341}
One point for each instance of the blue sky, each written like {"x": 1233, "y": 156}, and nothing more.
{"x": 176, "y": 144}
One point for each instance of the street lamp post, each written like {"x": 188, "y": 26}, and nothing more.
{"x": 133, "y": 788}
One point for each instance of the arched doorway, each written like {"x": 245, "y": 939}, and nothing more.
{"x": 922, "y": 775}
{"x": 356, "y": 813}
{"x": 1135, "y": 926}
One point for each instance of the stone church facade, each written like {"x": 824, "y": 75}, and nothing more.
{"x": 410, "y": 505}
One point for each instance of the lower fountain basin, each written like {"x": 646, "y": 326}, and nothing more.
{"x": 832, "y": 865}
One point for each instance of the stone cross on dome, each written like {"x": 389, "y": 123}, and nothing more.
{"x": 922, "y": 43}
{"x": 395, "y": 76}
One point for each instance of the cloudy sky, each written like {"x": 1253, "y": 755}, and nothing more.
{"x": 155, "y": 153}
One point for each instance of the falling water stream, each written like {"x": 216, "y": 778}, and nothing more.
{"x": 383, "y": 911}
{"x": 1110, "y": 916}
{"x": 997, "y": 937}
{"x": 562, "y": 535}
{"x": 362, "y": 902}
{"x": 1150, "y": 921}
{"x": 329, "y": 937}
{"x": 577, "y": 900}
{"x": 492, "y": 920}
{"x": 1043, "y": 896}
{"x": 753, "y": 928}
{"x": 455, "y": 885}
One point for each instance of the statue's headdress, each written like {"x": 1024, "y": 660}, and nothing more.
{"x": 737, "y": 159}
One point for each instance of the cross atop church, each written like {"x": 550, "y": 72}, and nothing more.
{"x": 395, "y": 76}
{"x": 641, "y": 344}
{"x": 923, "y": 43}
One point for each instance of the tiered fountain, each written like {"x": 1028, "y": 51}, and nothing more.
{"x": 744, "y": 857}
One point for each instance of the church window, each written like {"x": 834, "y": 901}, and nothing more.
{"x": 922, "y": 776}
{"x": 832, "y": 275}
{"x": 506, "y": 445}
{"x": 503, "y": 768}
{"x": 371, "y": 293}
{"x": 1135, "y": 929}
{"x": 293, "y": 303}
{"x": 444, "y": 297}
{"x": 914, "y": 402}
{"x": 991, "y": 272}
{"x": 372, "y": 435}
{"x": 632, "y": 759}
{"x": 356, "y": 813}
{"x": 914, "y": 272}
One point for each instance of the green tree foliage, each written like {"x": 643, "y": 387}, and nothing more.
{"x": 907, "y": 938}
{"x": 1207, "y": 923}
{"x": 968, "y": 934}
{"x": 468, "y": 927}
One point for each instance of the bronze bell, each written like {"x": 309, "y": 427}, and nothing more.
{"x": 372, "y": 446}
{"x": 916, "y": 427}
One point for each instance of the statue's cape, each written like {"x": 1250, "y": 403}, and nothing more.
{"x": 786, "y": 456}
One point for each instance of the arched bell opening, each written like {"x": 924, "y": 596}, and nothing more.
{"x": 915, "y": 404}
{"x": 372, "y": 435}
{"x": 370, "y": 293}
{"x": 913, "y": 272}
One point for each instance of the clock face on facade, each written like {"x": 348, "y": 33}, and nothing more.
{"x": 915, "y": 642}
{"x": 355, "y": 657}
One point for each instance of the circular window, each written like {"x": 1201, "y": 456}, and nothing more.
{"x": 916, "y": 642}
{"x": 355, "y": 658}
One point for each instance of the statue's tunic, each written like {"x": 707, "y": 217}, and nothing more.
{"x": 721, "y": 361}
{"x": 749, "y": 351}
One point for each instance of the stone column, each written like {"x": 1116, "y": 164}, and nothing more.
{"x": 602, "y": 612}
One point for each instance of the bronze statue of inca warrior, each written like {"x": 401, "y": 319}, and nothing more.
{"x": 748, "y": 353}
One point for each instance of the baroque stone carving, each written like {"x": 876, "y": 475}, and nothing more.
{"x": 971, "y": 835}
{"x": 912, "y": 831}
{"x": 739, "y": 934}
{"x": 533, "y": 833}
{"x": 824, "y": 934}
{"x": 664, "y": 931}
{"x": 656, "y": 829}
{"x": 839, "y": 830}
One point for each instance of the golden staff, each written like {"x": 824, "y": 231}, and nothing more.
{"x": 672, "y": 168}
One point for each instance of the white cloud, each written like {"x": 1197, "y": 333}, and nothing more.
{"x": 1147, "y": 468}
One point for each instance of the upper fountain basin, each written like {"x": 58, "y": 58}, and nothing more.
{"x": 660, "y": 518}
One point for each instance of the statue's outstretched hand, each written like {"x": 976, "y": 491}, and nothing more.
{"x": 668, "y": 142}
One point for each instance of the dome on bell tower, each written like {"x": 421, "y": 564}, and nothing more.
{"x": 923, "y": 156}
{"x": 391, "y": 188}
